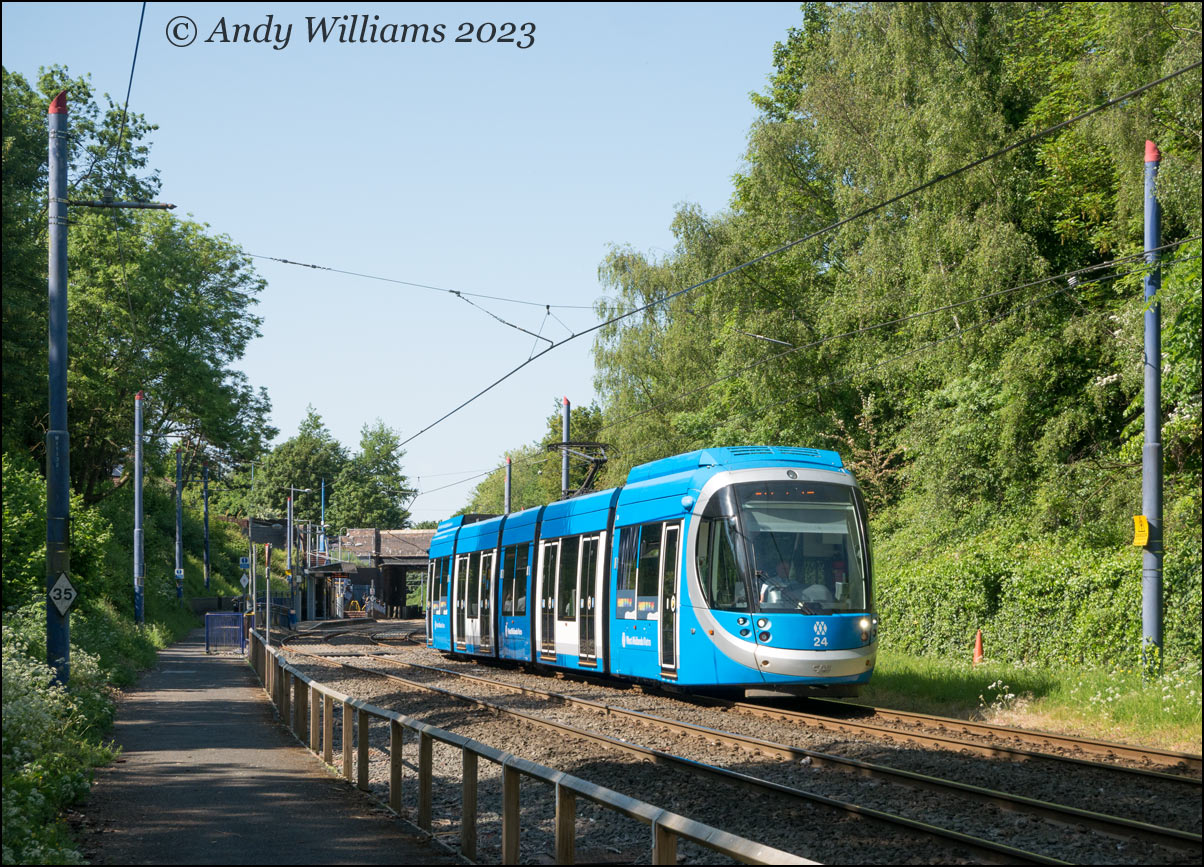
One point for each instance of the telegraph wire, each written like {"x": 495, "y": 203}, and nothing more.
{"x": 830, "y": 227}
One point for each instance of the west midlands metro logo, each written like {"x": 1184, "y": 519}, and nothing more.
{"x": 821, "y": 627}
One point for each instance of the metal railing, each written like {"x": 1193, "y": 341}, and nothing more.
{"x": 308, "y": 706}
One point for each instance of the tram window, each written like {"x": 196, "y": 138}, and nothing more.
{"x": 589, "y": 566}
{"x": 520, "y": 581}
{"x": 566, "y": 596}
{"x": 648, "y": 571}
{"x": 474, "y": 584}
{"x": 625, "y": 596}
{"x": 508, "y": 581}
{"x": 725, "y": 588}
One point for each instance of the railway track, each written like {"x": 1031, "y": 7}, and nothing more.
{"x": 1185, "y": 843}
{"x": 936, "y": 732}
{"x": 947, "y": 733}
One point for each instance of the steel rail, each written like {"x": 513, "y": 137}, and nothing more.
{"x": 1168, "y": 758}
{"x": 1114, "y": 825}
{"x": 936, "y": 742}
{"x": 1000, "y": 852}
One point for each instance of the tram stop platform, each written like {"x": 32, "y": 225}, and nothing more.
{"x": 208, "y": 775}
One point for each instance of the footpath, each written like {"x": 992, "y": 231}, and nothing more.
{"x": 207, "y": 775}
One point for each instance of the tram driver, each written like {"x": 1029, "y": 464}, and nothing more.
{"x": 785, "y": 588}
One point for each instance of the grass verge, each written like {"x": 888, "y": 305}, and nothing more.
{"x": 1115, "y": 705}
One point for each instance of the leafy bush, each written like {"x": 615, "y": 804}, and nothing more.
{"x": 24, "y": 539}
{"x": 50, "y": 741}
{"x": 1046, "y": 598}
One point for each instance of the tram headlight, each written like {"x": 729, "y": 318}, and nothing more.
{"x": 865, "y": 628}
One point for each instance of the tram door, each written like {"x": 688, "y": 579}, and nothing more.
{"x": 485, "y": 626}
{"x": 547, "y": 600}
{"x": 430, "y": 603}
{"x": 589, "y": 594}
{"x": 670, "y": 557}
{"x": 460, "y": 595}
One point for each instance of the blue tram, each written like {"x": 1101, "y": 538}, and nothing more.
{"x": 722, "y": 569}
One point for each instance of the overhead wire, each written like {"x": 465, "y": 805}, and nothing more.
{"x": 459, "y": 292}
{"x": 498, "y": 318}
{"x": 1069, "y": 276}
{"x": 824, "y": 230}
{"x": 118, "y": 159}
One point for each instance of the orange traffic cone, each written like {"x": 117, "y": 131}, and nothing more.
{"x": 978, "y": 648}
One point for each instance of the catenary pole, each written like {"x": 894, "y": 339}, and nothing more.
{"x": 58, "y": 447}
{"x": 179, "y": 526}
{"x": 288, "y": 557}
{"x": 267, "y": 592}
{"x": 59, "y": 591}
{"x": 506, "y": 505}
{"x": 205, "y": 488}
{"x": 139, "y": 558}
{"x": 309, "y": 576}
{"x": 564, "y": 455}
{"x": 253, "y": 589}
{"x": 1151, "y": 453}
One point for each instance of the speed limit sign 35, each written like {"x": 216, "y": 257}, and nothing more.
{"x": 63, "y": 594}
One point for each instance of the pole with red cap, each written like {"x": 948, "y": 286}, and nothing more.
{"x": 1151, "y": 454}
{"x": 59, "y": 592}
{"x": 564, "y": 455}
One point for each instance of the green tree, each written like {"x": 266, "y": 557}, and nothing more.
{"x": 991, "y": 398}
{"x": 156, "y": 303}
{"x": 302, "y": 461}
{"x": 998, "y": 418}
{"x": 371, "y": 490}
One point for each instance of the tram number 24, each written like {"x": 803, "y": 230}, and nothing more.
{"x": 821, "y": 641}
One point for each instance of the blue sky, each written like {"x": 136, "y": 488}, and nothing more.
{"x": 478, "y": 167}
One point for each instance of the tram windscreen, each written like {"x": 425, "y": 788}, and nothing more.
{"x": 801, "y": 545}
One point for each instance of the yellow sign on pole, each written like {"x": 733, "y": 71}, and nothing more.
{"x": 1141, "y": 531}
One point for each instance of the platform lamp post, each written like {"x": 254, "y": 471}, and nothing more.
{"x": 60, "y": 593}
